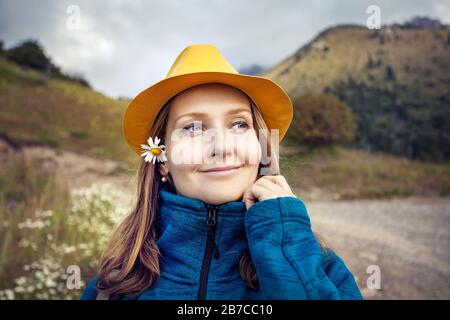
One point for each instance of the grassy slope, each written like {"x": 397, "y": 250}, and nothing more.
{"x": 353, "y": 173}
{"x": 37, "y": 110}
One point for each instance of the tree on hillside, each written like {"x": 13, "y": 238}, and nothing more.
{"x": 397, "y": 119}
{"x": 30, "y": 53}
{"x": 321, "y": 120}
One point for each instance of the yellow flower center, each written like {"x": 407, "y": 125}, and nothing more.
{"x": 155, "y": 151}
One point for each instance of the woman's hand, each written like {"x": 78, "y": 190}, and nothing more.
{"x": 267, "y": 187}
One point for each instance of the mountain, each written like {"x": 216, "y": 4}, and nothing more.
{"x": 413, "y": 56}
{"x": 253, "y": 69}
{"x": 396, "y": 80}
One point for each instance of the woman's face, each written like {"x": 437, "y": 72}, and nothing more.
{"x": 212, "y": 147}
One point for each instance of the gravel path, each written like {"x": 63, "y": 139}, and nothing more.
{"x": 409, "y": 239}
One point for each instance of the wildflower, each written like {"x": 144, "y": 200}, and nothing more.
{"x": 154, "y": 151}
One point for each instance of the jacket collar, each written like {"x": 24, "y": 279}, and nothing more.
{"x": 196, "y": 206}
{"x": 183, "y": 237}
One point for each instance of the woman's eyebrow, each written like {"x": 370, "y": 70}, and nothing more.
{"x": 238, "y": 110}
{"x": 191, "y": 114}
{"x": 202, "y": 114}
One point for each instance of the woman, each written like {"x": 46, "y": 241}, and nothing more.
{"x": 213, "y": 218}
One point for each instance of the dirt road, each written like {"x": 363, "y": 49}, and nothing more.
{"x": 409, "y": 239}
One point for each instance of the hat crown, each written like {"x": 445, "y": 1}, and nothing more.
{"x": 200, "y": 58}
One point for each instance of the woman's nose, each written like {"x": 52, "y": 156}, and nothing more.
{"x": 221, "y": 144}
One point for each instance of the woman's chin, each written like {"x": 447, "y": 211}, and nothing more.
{"x": 219, "y": 196}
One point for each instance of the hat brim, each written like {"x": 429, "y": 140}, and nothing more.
{"x": 273, "y": 102}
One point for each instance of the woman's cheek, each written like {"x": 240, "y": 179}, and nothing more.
{"x": 186, "y": 151}
{"x": 248, "y": 148}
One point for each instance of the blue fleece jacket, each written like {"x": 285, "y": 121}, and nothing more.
{"x": 201, "y": 247}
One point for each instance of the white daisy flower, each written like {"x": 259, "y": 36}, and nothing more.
{"x": 153, "y": 151}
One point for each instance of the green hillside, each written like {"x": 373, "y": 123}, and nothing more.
{"x": 342, "y": 173}
{"x": 35, "y": 109}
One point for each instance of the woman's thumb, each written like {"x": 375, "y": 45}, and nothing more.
{"x": 249, "y": 198}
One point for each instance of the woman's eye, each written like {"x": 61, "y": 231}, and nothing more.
{"x": 193, "y": 127}
{"x": 240, "y": 125}
{"x": 197, "y": 127}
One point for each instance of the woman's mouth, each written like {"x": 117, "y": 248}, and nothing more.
{"x": 221, "y": 171}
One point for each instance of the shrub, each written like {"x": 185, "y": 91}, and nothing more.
{"x": 321, "y": 120}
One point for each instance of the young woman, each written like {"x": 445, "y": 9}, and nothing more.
{"x": 214, "y": 219}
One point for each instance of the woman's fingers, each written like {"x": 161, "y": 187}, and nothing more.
{"x": 268, "y": 184}
{"x": 267, "y": 187}
{"x": 279, "y": 180}
{"x": 253, "y": 194}
{"x": 256, "y": 193}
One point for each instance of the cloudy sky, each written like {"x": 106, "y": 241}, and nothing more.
{"x": 122, "y": 47}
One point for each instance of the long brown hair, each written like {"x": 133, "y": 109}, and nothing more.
{"x": 130, "y": 262}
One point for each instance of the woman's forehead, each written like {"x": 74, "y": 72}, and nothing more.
{"x": 209, "y": 100}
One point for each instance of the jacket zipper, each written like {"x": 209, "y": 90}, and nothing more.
{"x": 211, "y": 248}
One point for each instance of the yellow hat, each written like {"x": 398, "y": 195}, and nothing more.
{"x": 199, "y": 64}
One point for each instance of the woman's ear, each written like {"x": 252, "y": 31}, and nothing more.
{"x": 164, "y": 169}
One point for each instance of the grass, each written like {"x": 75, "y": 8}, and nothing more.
{"x": 60, "y": 114}
{"x": 358, "y": 174}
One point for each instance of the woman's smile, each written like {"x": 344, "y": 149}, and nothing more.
{"x": 221, "y": 171}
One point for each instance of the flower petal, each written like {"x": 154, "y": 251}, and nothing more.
{"x": 162, "y": 157}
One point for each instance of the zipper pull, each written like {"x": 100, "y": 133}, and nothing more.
{"x": 212, "y": 215}
{"x": 212, "y": 221}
